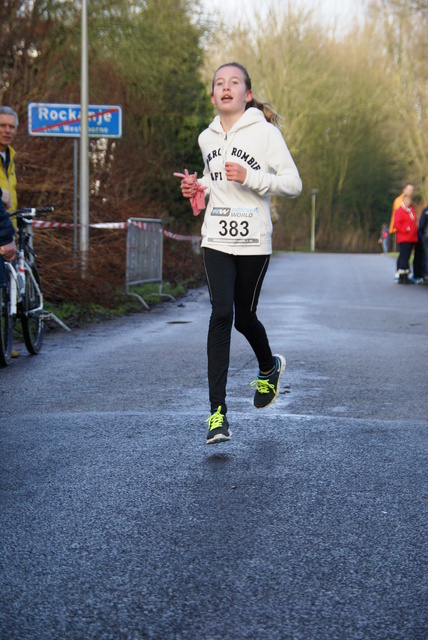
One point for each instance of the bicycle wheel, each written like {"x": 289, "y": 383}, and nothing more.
{"x": 6, "y": 327}
{"x": 32, "y": 313}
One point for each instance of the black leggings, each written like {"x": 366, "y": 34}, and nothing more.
{"x": 233, "y": 281}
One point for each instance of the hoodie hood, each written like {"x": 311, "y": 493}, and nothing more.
{"x": 251, "y": 116}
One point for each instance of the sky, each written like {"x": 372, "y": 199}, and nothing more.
{"x": 344, "y": 12}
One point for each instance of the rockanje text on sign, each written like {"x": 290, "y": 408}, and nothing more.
{"x": 44, "y": 119}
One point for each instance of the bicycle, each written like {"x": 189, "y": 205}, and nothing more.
{"x": 23, "y": 297}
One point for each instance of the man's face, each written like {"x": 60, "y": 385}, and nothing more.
{"x": 8, "y": 130}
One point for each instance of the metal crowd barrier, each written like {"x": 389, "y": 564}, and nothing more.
{"x": 144, "y": 255}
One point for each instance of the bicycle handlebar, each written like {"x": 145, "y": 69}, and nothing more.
{"x": 31, "y": 211}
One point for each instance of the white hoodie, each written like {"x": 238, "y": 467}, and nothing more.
{"x": 237, "y": 218}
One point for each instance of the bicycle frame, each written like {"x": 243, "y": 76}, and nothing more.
{"x": 23, "y": 297}
{"x": 13, "y": 288}
{"x": 20, "y": 269}
{"x": 17, "y": 283}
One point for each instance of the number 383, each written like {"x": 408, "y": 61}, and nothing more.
{"x": 234, "y": 228}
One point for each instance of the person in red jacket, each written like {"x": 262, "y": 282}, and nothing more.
{"x": 407, "y": 230}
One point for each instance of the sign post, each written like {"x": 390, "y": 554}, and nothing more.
{"x": 314, "y": 195}
{"x": 84, "y": 146}
{"x": 75, "y": 199}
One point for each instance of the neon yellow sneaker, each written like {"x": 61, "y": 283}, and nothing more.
{"x": 268, "y": 386}
{"x": 218, "y": 430}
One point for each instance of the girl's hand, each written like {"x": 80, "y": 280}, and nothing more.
{"x": 235, "y": 172}
{"x": 189, "y": 185}
{"x": 192, "y": 189}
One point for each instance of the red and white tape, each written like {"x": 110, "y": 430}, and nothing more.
{"x": 41, "y": 224}
{"x": 145, "y": 226}
{"x": 177, "y": 236}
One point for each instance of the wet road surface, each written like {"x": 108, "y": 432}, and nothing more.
{"x": 118, "y": 522}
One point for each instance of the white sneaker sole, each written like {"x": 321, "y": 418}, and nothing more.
{"x": 220, "y": 437}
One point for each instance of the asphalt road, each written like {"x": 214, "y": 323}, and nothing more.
{"x": 119, "y": 523}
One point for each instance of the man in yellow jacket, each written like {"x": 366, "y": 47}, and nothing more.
{"x": 8, "y": 130}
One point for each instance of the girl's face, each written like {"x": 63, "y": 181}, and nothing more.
{"x": 230, "y": 93}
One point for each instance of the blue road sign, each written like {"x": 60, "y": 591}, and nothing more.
{"x": 63, "y": 120}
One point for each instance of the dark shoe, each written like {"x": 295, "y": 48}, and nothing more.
{"x": 403, "y": 276}
{"x": 218, "y": 428}
{"x": 268, "y": 386}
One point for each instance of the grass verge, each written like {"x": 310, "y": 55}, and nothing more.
{"x": 75, "y": 315}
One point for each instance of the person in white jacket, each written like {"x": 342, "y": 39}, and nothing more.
{"x": 245, "y": 162}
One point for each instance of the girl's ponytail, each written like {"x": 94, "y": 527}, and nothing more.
{"x": 269, "y": 113}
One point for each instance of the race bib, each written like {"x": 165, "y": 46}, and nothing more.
{"x": 233, "y": 226}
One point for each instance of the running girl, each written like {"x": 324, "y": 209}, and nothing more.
{"x": 245, "y": 162}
